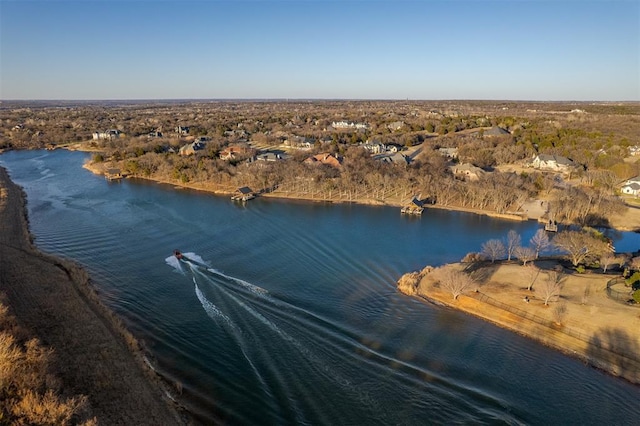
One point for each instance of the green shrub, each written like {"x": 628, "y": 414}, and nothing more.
{"x": 636, "y": 296}
{"x": 633, "y": 279}
{"x": 98, "y": 158}
{"x": 580, "y": 269}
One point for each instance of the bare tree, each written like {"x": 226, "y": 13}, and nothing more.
{"x": 453, "y": 280}
{"x": 540, "y": 241}
{"x": 493, "y": 249}
{"x": 549, "y": 290}
{"x": 606, "y": 260}
{"x": 512, "y": 242}
{"x": 580, "y": 246}
{"x": 531, "y": 272}
{"x": 524, "y": 254}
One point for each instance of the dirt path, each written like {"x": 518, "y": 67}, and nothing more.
{"x": 94, "y": 355}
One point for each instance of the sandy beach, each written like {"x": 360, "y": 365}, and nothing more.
{"x": 594, "y": 328}
{"x": 53, "y": 300}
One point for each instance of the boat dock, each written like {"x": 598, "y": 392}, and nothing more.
{"x": 414, "y": 207}
{"x": 243, "y": 194}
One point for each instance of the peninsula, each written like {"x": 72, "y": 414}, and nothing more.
{"x": 582, "y": 321}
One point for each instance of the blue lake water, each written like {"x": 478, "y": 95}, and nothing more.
{"x": 295, "y": 319}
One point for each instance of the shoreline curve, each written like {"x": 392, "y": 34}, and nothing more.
{"x": 94, "y": 354}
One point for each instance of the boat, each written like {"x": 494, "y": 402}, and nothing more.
{"x": 177, "y": 254}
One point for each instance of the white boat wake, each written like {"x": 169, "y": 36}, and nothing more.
{"x": 237, "y": 301}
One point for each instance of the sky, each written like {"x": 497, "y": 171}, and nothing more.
{"x": 320, "y": 49}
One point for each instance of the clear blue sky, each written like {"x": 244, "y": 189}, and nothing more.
{"x": 376, "y": 49}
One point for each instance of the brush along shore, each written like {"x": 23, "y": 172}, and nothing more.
{"x": 93, "y": 355}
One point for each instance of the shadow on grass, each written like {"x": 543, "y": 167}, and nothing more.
{"x": 617, "y": 348}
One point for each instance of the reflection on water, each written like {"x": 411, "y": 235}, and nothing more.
{"x": 287, "y": 313}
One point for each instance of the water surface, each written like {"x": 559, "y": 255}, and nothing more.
{"x": 293, "y": 316}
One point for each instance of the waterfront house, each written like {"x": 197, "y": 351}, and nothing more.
{"x": 108, "y": 134}
{"x": 467, "y": 171}
{"x": 556, "y": 163}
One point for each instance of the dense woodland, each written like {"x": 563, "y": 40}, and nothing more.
{"x": 597, "y": 136}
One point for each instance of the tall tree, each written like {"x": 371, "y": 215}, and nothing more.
{"x": 580, "y": 246}
{"x": 540, "y": 242}
{"x": 512, "y": 242}
{"x": 549, "y": 290}
{"x": 531, "y": 273}
{"x": 453, "y": 280}
{"x": 606, "y": 260}
{"x": 524, "y": 254}
{"x": 493, "y": 249}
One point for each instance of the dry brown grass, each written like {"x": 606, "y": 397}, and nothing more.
{"x": 584, "y": 322}
{"x": 93, "y": 355}
{"x": 29, "y": 393}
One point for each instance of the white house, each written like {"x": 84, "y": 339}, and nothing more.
{"x": 631, "y": 189}
{"x": 631, "y": 186}
{"x": 348, "y": 125}
{"x": 634, "y": 150}
{"x": 554, "y": 163}
{"x": 375, "y": 147}
{"x": 108, "y": 134}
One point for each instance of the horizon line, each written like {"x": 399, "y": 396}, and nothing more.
{"x": 288, "y": 99}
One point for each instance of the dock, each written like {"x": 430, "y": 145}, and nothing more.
{"x": 412, "y": 210}
{"x": 113, "y": 174}
{"x": 414, "y": 207}
{"x": 243, "y": 194}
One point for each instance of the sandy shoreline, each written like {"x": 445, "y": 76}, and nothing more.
{"x": 596, "y": 329}
{"x": 94, "y": 355}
